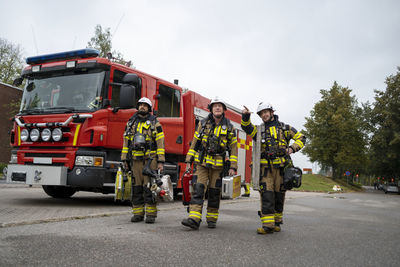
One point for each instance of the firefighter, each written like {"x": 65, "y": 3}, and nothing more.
{"x": 143, "y": 139}
{"x": 275, "y": 151}
{"x": 214, "y": 153}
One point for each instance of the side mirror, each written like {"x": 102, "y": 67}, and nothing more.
{"x": 18, "y": 81}
{"x": 127, "y": 96}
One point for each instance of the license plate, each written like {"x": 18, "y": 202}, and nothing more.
{"x": 42, "y": 160}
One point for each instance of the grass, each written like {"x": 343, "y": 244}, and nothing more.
{"x": 319, "y": 183}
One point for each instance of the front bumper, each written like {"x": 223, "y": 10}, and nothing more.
{"x": 35, "y": 174}
{"x": 57, "y": 175}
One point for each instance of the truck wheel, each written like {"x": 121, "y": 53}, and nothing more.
{"x": 58, "y": 191}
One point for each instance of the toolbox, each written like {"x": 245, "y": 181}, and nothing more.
{"x": 231, "y": 186}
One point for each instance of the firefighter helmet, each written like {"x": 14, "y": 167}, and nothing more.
{"x": 214, "y": 101}
{"x": 146, "y": 101}
{"x": 292, "y": 177}
{"x": 263, "y": 106}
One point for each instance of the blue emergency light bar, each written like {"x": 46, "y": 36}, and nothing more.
{"x": 81, "y": 53}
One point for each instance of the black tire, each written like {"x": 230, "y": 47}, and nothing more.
{"x": 59, "y": 191}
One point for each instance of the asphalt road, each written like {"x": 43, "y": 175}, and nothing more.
{"x": 352, "y": 229}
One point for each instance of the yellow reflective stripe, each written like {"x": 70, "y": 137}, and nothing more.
{"x": 299, "y": 143}
{"x": 127, "y": 137}
{"x": 253, "y": 133}
{"x": 159, "y": 136}
{"x": 19, "y": 135}
{"x": 233, "y": 156}
{"x": 138, "y": 153}
{"x": 151, "y": 209}
{"x": 76, "y": 134}
{"x": 233, "y": 160}
{"x": 297, "y": 135}
{"x": 245, "y": 123}
{"x": 233, "y": 141}
{"x": 278, "y": 215}
{"x": 272, "y": 130}
{"x": 209, "y": 216}
{"x": 267, "y": 219}
{"x": 195, "y": 214}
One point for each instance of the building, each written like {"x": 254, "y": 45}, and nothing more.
{"x": 9, "y": 94}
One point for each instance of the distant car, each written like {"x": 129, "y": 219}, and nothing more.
{"x": 391, "y": 188}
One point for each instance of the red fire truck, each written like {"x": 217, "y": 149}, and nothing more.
{"x": 67, "y": 136}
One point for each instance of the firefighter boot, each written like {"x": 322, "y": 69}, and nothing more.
{"x": 265, "y": 230}
{"x": 150, "y": 219}
{"x": 137, "y": 218}
{"x": 277, "y": 227}
{"x": 246, "y": 191}
{"x": 211, "y": 225}
{"x": 191, "y": 223}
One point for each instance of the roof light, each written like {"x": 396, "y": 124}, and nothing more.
{"x": 70, "y": 64}
{"x": 81, "y": 53}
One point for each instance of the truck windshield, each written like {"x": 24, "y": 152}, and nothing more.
{"x": 63, "y": 92}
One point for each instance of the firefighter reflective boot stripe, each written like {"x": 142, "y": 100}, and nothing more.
{"x": 268, "y": 220}
{"x": 138, "y": 210}
{"x": 195, "y": 215}
{"x": 212, "y": 216}
{"x": 151, "y": 211}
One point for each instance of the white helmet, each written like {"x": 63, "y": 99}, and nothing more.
{"x": 146, "y": 101}
{"x": 216, "y": 100}
{"x": 263, "y": 106}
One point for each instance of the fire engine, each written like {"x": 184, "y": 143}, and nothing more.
{"x": 67, "y": 136}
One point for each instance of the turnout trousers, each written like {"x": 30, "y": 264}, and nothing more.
{"x": 272, "y": 196}
{"x": 142, "y": 199}
{"x": 203, "y": 178}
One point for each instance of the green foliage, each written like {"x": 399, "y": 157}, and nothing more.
{"x": 102, "y": 41}
{"x": 320, "y": 183}
{"x": 385, "y": 126}
{"x": 334, "y": 132}
{"x": 10, "y": 61}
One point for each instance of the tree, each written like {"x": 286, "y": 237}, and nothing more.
{"x": 102, "y": 41}
{"x": 10, "y": 61}
{"x": 385, "y": 121}
{"x": 336, "y": 140}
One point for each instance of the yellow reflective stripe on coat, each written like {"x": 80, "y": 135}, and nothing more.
{"x": 159, "y": 136}
{"x": 160, "y": 151}
{"x": 253, "y": 133}
{"x": 245, "y": 123}
{"x": 191, "y": 152}
{"x": 195, "y": 214}
{"x": 272, "y": 130}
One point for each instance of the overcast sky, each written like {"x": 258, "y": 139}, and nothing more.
{"x": 282, "y": 52}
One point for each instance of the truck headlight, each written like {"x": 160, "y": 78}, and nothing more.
{"x": 24, "y": 135}
{"x": 89, "y": 161}
{"x": 56, "y": 134}
{"x": 34, "y": 135}
{"x": 46, "y": 135}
